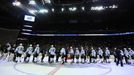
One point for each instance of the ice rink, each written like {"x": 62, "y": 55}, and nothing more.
{"x": 11, "y": 68}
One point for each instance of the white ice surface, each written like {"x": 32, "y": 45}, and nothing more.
{"x": 11, "y": 68}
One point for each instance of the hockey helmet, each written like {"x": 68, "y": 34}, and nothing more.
{"x": 20, "y": 44}
{"x": 30, "y": 45}
{"x": 37, "y": 45}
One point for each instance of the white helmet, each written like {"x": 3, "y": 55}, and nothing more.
{"x": 81, "y": 47}
{"x": 106, "y": 47}
{"x": 99, "y": 48}
{"x": 52, "y": 45}
{"x": 37, "y": 45}
{"x": 76, "y": 48}
{"x": 30, "y": 45}
{"x": 92, "y": 48}
{"x": 20, "y": 44}
{"x": 125, "y": 48}
{"x": 62, "y": 48}
{"x": 129, "y": 48}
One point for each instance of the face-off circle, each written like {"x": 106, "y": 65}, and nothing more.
{"x": 32, "y": 69}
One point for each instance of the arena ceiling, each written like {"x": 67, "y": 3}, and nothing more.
{"x": 108, "y": 19}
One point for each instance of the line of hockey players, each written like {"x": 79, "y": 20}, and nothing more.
{"x": 81, "y": 55}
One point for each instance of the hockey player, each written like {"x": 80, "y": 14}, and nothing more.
{"x": 13, "y": 52}
{"x": 119, "y": 54}
{"x": 77, "y": 53}
{"x": 93, "y": 55}
{"x": 66, "y": 56}
{"x": 131, "y": 53}
{"x": 107, "y": 55}
{"x": 43, "y": 51}
{"x": 71, "y": 54}
{"x": 82, "y": 53}
{"x": 19, "y": 50}
{"x": 63, "y": 54}
{"x": 51, "y": 54}
{"x": 126, "y": 55}
{"x": 7, "y": 49}
{"x": 1, "y": 51}
{"x": 28, "y": 53}
{"x": 57, "y": 52}
{"x": 36, "y": 53}
{"x": 115, "y": 57}
{"x": 100, "y": 53}
{"x": 88, "y": 54}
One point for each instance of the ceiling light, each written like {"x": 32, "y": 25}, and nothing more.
{"x": 16, "y": 3}
{"x": 32, "y": 2}
{"x": 73, "y": 9}
{"x": 43, "y": 11}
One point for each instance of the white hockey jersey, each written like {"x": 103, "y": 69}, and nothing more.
{"x": 121, "y": 52}
{"x": 93, "y": 53}
{"x": 107, "y": 52}
{"x": 131, "y": 52}
{"x": 100, "y": 52}
{"x": 29, "y": 50}
{"x": 63, "y": 51}
{"x": 126, "y": 52}
{"x": 19, "y": 49}
{"x": 71, "y": 51}
{"x": 37, "y": 50}
{"x": 52, "y": 50}
{"x": 82, "y": 52}
{"x": 77, "y": 52}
